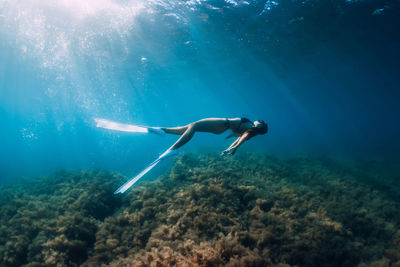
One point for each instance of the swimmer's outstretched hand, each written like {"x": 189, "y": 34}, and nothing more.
{"x": 228, "y": 152}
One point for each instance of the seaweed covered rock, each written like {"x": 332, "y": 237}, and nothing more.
{"x": 75, "y": 234}
{"x": 304, "y": 212}
{"x": 247, "y": 210}
{"x": 225, "y": 251}
{"x": 53, "y": 220}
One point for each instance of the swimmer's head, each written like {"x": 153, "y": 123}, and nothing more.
{"x": 261, "y": 127}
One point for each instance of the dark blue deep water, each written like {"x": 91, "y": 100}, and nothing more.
{"x": 323, "y": 74}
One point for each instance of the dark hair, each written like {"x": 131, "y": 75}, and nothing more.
{"x": 261, "y": 129}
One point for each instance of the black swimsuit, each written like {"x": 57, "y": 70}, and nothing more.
{"x": 227, "y": 124}
{"x": 242, "y": 120}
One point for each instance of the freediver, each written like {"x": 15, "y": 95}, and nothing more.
{"x": 243, "y": 128}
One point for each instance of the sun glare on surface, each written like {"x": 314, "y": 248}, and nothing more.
{"x": 47, "y": 29}
{"x": 87, "y": 8}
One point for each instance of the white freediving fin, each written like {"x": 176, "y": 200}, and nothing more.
{"x": 112, "y": 125}
{"x": 167, "y": 154}
{"x": 132, "y": 181}
{"x": 116, "y": 126}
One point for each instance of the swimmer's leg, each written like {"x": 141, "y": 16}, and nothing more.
{"x": 186, "y": 136}
{"x": 168, "y": 130}
{"x": 211, "y": 125}
{"x": 175, "y": 130}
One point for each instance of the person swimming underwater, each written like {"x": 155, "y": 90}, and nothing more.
{"x": 243, "y": 128}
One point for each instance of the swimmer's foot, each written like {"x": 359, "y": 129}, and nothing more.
{"x": 156, "y": 130}
{"x": 167, "y": 154}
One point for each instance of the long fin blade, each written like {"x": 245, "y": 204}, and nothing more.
{"x": 112, "y": 125}
{"x": 133, "y": 180}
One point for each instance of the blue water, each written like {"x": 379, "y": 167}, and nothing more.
{"x": 323, "y": 74}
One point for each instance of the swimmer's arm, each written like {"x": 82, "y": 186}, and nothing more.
{"x": 245, "y": 136}
{"x": 238, "y": 142}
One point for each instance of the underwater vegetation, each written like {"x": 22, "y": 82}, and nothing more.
{"x": 249, "y": 210}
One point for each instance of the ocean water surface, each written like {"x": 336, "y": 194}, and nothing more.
{"x": 322, "y": 187}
